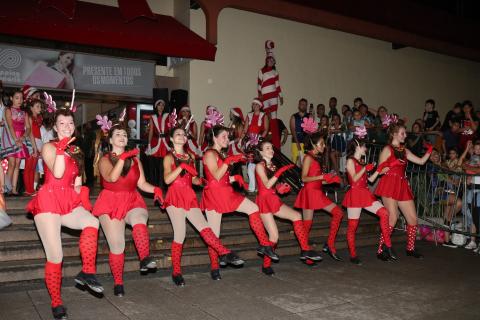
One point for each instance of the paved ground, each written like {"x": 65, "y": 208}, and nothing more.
{"x": 445, "y": 285}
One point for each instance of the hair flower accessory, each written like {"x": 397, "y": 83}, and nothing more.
{"x": 389, "y": 119}
{"x": 360, "y": 132}
{"x": 104, "y": 123}
{"x": 51, "y": 105}
{"x": 213, "y": 117}
{"x": 253, "y": 140}
{"x": 172, "y": 119}
{"x": 309, "y": 125}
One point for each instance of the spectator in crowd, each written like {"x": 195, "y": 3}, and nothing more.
{"x": 379, "y": 133}
{"x": 320, "y": 112}
{"x": 468, "y": 124}
{"x": 454, "y": 114}
{"x": 357, "y": 102}
{"x": 87, "y": 145}
{"x": 415, "y": 140}
{"x": 431, "y": 120}
{"x": 473, "y": 193}
{"x": 337, "y": 141}
{"x": 451, "y": 136}
{"x": 332, "y": 104}
{"x": 298, "y": 135}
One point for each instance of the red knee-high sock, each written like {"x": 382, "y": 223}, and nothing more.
{"x": 214, "y": 265}
{"x": 308, "y": 226}
{"x": 337, "y": 215}
{"x": 88, "y": 249}
{"x": 267, "y": 262}
{"x": 177, "y": 249}
{"x": 257, "y": 226}
{"x": 411, "y": 236}
{"x": 117, "y": 262}
{"x": 53, "y": 280}
{"x": 142, "y": 240}
{"x": 382, "y": 239}
{"x": 29, "y": 174}
{"x": 382, "y": 213}
{"x": 351, "y": 230}
{"x": 212, "y": 240}
{"x": 301, "y": 234}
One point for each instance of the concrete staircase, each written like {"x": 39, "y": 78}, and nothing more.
{"x": 22, "y": 257}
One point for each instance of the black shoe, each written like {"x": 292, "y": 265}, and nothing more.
{"x": 231, "y": 258}
{"x": 118, "y": 290}
{"x": 89, "y": 280}
{"x": 215, "y": 274}
{"x": 383, "y": 256}
{"x": 147, "y": 263}
{"x": 390, "y": 253}
{"x": 356, "y": 260}
{"x": 331, "y": 254}
{"x": 310, "y": 254}
{"x": 178, "y": 280}
{"x": 268, "y": 271}
{"x": 268, "y": 251}
{"x": 414, "y": 253}
{"x": 59, "y": 313}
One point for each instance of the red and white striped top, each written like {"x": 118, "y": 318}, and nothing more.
{"x": 268, "y": 83}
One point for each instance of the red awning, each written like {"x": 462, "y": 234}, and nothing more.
{"x": 103, "y": 26}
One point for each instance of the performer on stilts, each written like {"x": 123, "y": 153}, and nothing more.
{"x": 119, "y": 203}
{"x": 181, "y": 203}
{"x": 359, "y": 197}
{"x": 219, "y": 197}
{"x": 271, "y": 206}
{"x": 311, "y": 196}
{"x": 393, "y": 186}
{"x": 59, "y": 203}
{"x": 270, "y": 92}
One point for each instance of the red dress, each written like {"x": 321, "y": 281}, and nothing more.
{"x": 311, "y": 195}
{"x": 219, "y": 195}
{"x": 267, "y": 199}
{"x": 159, "y": 146}
{"x": 256, "y": 123}
{"x": 180, "y": 193}
{"x": 118, "y": 198}
{"x": 57, "y": 195}
{"x": 358, "y": 196}
{"x": 394, "y": 183}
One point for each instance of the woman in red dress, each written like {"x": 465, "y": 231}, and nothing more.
{"x": 271, "y": 206}
{"x": 157, "y": 142}
{"x": 59, "y": 203}
{"x": 119, "y": 203}
{"x": 311, "y": 196}
{"x": 181, "y": 203}
{"x": 394, "y": 188}
{"x": 219, "y": 197}
{"x": 359, "y": 197}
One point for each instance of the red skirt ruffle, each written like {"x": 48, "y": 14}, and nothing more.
{"x": 184, "y": 198}
{"x": 358, "y": 198}
{"x": 117, "y": 204}
{"x": 54, "y": 199}
{"x": 221, "y": 199}
{"x": 313, "y": 199}
{"x": 268, "y": 202}
{"x": 395, "y": 187}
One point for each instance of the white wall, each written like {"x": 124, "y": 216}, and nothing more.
{"x": 317, "y": 63}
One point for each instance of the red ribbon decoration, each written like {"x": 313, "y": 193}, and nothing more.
{"x": 130, "y": 9}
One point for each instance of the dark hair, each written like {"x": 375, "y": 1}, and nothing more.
{"x": 33, "y": 102}
{"x": 113, "y": 158}
{"x": 457, "y": 105}
{"x": 172, "y": 131}
{"x": 215, "y": 132}
{"x": 352, "y": 146}
{"x": 394, "y": 128}
{"x": 333, "y": 98}
{"x": 357, "y": 99}
{"x": 467, "y": 103}
{"x": 313, "y": 139}
{"x": 430, "y": 101}
{"x": 453, "y": 149}
{"x": 256, "y": 152}
{"x": 454, "y": 121}
{"x": 303, "y": 100}
{"x": 72, "y": 64}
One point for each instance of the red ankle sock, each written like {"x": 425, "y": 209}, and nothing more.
{"x": 308, "y": 226}
{"x": 53, "y": 280}
{"x": 177, "y": 249}
{"x": 257, "y": 226}
{"x": 411, "y": 236}
{"x": 214, "y": 265}
{"x": 117, "y": 262}
{"x": 301, "y": 234}
{"x": 267, "y": 262}
{"x": 88, "y": 249}
{"x": 337, "y": 215}
{"x": 351, "y": 230}
{"x": 142, "y": 240}
{"x": 212, "y": 240}
{"x": 382, "y": 213}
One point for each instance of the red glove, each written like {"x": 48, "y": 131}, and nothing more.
{"x": 239, "y": 179}
{"x": 203, "y": 182}
{"x": 189, "y": 169}
{"x": 234, "y": 159}
{"x": 85, "y": 197}
{"x": 63, "y": 144}
{"x": 328, "y": 176}
{"x": 283, "y": 188}
{"x": 369, "y": 167}
{"x": 331, "y": 178}
{"x": 129, "y": 154}
{"x": 428, "y": 146}
{"x": 396, "y": 163}
{"x": 282, "y": 170}
{"x": 158, "y": 195}
{"x": 383, "y": 165}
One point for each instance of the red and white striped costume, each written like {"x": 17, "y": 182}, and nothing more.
{"x": 192, "y": 145}
{"x": 158, "y": 146}
{"x": 269, "y": 88}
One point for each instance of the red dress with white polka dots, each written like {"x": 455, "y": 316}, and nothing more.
{"x": 267, "y": 199}
{"x": 180, "y": 193}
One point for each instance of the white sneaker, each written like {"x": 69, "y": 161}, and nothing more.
{"x": 476, "y": 250}
{"x": 471, "y": 245}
